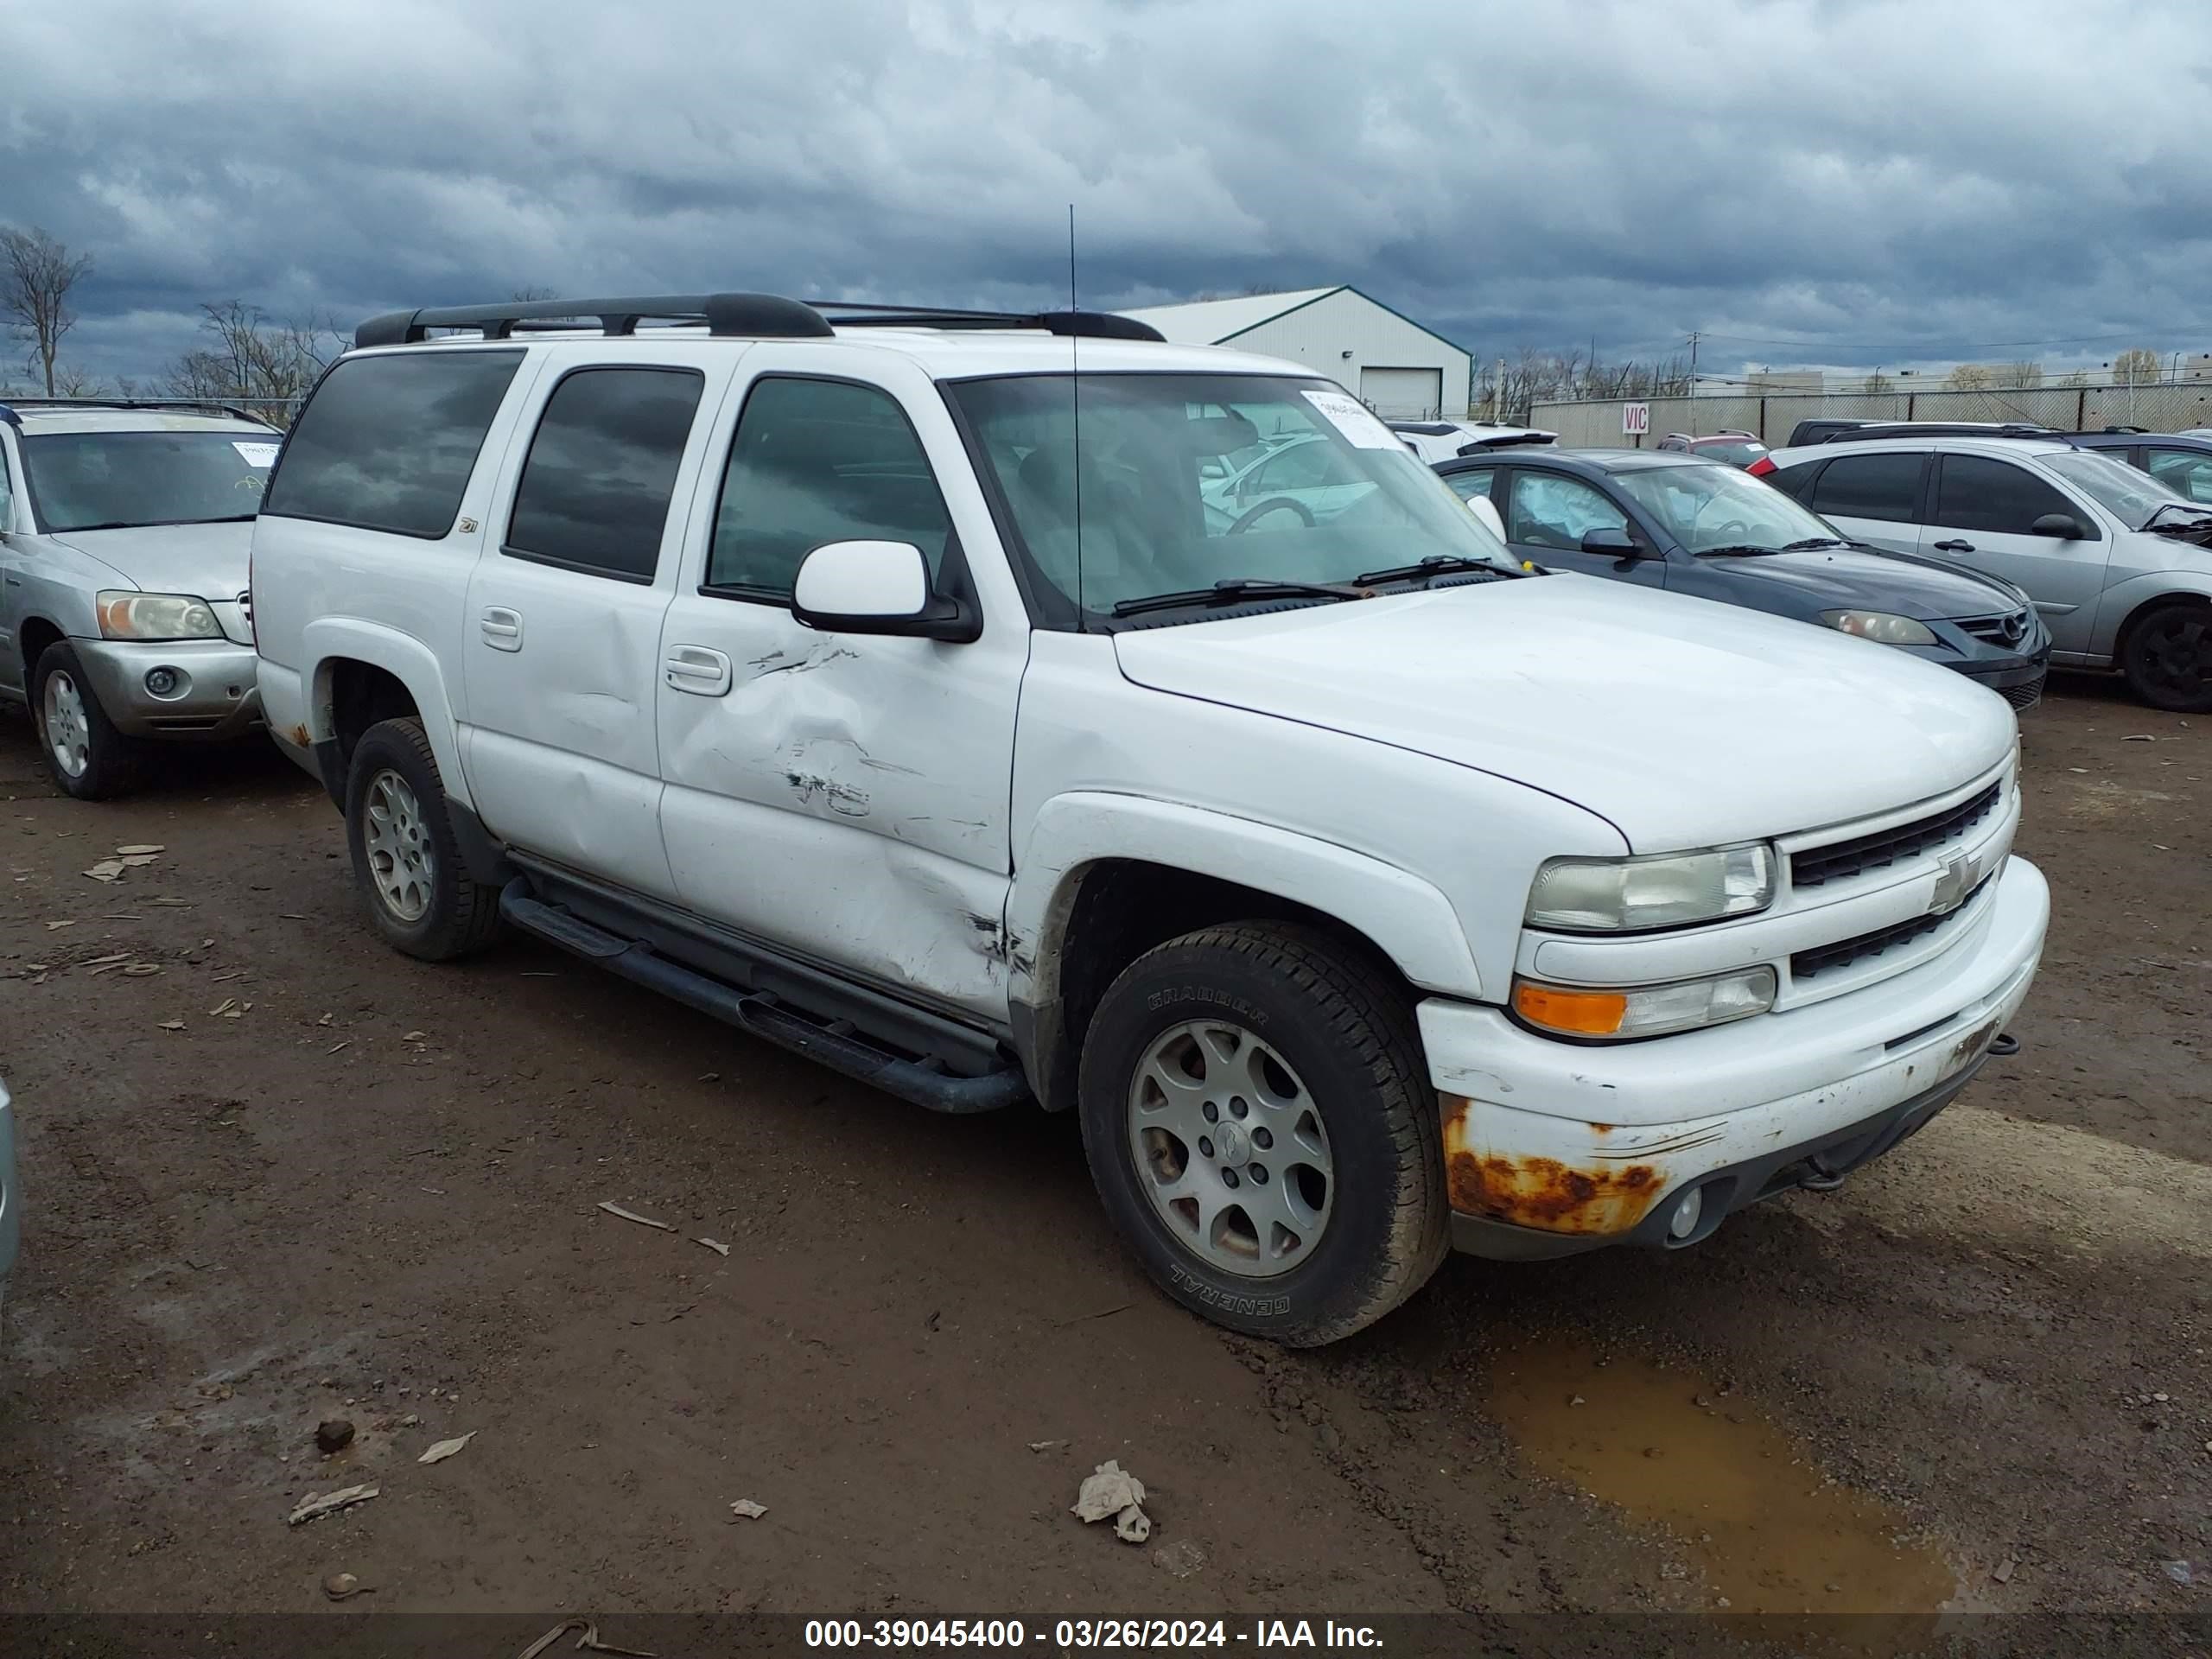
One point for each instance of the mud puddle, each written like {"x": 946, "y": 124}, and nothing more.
{"x": 1746, "y": 1507}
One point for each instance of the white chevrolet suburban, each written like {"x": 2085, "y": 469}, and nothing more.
{"x": 889, "y": 684}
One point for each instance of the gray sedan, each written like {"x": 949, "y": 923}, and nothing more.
{"x": 124, "y": 538}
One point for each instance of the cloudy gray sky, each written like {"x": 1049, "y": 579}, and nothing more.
{"x": 1847, "y": 182}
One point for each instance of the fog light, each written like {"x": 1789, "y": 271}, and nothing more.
{"x": 1687, "y": 1214}
{"x": 163, "y": 681}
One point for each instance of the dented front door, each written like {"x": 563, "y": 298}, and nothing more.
{"x": 841, "y": 797}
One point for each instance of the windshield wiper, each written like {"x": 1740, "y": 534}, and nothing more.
{"x": 1732, "y": 550}
{"x": 1235, "y": 590}
{"x": 1812, "y": 542}
{"x": 1437, "y": 565}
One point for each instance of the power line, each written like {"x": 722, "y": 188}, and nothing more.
{"x": 1978, "y": 346}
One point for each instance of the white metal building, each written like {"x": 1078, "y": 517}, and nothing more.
{"x": 1399, "y": 370}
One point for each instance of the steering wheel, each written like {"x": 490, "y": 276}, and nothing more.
{"x": 1734, "y": 527}
{"x": 1252, "y": 516}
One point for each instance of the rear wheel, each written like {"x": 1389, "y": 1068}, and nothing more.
{"x": 1259, "y": 1123}
{"x": 2168, "y": 658}
{"x": 87, "y": 756}
{"x": 406, "y": 860}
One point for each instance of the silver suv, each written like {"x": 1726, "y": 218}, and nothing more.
{"x": 124, "y": 532}
{"x": 2119, "y": 566}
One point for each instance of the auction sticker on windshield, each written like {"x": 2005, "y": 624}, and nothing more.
{"x": 1351, "y": 417}
{"x": 256, "y": 455}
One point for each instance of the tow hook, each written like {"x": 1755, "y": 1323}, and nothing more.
{"x": 2003, "y": 1044}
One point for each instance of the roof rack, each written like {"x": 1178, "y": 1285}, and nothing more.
{"x": 175, "y": 405}
{"x": 753, "y": 316}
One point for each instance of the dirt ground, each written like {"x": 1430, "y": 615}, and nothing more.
{"x": 291, "y": 1176}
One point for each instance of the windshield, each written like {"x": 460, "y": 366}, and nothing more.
{"x": 108, "y": 480}
{"x": 2131, "y": 496}
{"x": 1189, "y": 480}
{"x": 1736, "y": 454}
{"x": 1714, "y": 506}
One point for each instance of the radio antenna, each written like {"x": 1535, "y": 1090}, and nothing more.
{"x": 1075, "y": 417}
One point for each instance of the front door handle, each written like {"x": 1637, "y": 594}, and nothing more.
{"x": 1954, "y": 547}
{"x": 501, "y": 627}
{"x": 700, "y": 670}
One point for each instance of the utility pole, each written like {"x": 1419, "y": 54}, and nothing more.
{"x": 1693, "y": 363}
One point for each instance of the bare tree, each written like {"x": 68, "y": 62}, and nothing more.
{"x": 36, "y": 273}
{"x": 529, "y": 293}
{"x": 1879, "y": 385}
{"x": 2016, "y": 376}
{"x": 251, "y": 356}
{"x": 1970, "y": 377}
{"x": 2136, "y": 368}
{"x": 2073, "y": 382}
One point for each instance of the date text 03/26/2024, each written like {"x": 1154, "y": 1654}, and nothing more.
{"x": 1071, "y": 1635}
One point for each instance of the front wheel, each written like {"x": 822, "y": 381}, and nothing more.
{"x": 406, "y": 861}
{"x": 88, "y": 757}
{"x": 1259, "y": 1123}
{"x": 2168, "y": 661}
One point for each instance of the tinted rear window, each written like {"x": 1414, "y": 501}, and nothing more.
{"x": 595, "y": 489}
{"x": 389, "y": 442}
{"x": 1869, "y": 486}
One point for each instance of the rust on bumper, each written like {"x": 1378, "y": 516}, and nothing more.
{"x": 1546, "y": 1194}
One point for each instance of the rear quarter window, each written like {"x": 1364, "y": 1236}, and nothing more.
{"x": 1792, "y": 480}
{"x": 388, "y": 443}
{"x": 1883, "y": 487}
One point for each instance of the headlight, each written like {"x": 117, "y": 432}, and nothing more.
{"x": 1646, "y": 1010}
{"x": 1618, "y": 895}
{"x": 156, "y": 616}
{"x": 1881, "y": 627}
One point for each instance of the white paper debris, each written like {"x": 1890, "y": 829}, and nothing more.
{"x": 745, "y": 1509}
{"x": 445, "y": 1449}
{"x": 714, "y": 1244}
{"x": 1111, "y": 1491}
{"x": 614, "y": 1209}
{"x": 330, "y": 1502}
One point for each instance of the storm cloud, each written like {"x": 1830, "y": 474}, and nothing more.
{"x": 1842, "y": 182}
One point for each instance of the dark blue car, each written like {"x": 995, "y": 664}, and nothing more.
{"x": 1700, "y": 527}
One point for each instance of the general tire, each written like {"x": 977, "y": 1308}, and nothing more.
{"x": 1348, "y": 1039}
{"x": 111, "y": 762}
{"x": 458, "y": 915}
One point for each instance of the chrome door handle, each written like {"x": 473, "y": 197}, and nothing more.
{"x": 700, "y": 670}
{"x": 501, "y": 628}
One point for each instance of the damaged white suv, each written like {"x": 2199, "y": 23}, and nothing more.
{"x": 889, "y": 684}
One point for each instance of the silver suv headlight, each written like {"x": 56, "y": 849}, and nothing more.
{"x": 128, "y": 616}
{"x": 1624, "y": 895}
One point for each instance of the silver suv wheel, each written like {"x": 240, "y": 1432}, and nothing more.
{"x": 68, "y": 732}
{"x": 403, "y": 863}
{"x": 1230, "y": 1147}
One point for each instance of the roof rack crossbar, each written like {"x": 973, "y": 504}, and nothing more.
{"x": 175, "y": 406}
{"x": 759, "y": 316}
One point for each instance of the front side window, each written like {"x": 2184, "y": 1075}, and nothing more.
{"x": 1157, "y": 507}
{"x": 1996, "y": 498}
{"x": 1711, "y": 507}
{"x": 115, "y": 481}
{"x": 816, "y": 461}
{"x": 1545, "y": 510}
{"x": 1468, "y": 486}
{"x": 2134, "y": 497}
{"x": 601, "y": 469}
{"x": 388, "y": 443}
{"x": 2187, "y": 472}
{"x": 1885, "y": 487}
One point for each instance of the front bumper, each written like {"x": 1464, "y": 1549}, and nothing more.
{"x": 1554, "y": 1147}
{"x": 218, "y": 696}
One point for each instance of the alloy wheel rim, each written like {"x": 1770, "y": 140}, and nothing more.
{"x": 68, "y": 730}
{"x": 402, "y": 864}
{"x": 1228, "y": 1146}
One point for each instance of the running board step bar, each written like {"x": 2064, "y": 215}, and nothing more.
{"x": 835, "y": 1046}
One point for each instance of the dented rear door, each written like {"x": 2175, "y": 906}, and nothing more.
{"x": 841, "y": 797}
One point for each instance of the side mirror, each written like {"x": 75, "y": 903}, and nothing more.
{"x": 2063, "y": 526}
{"x": 1486, "y": 510}
{"x": 877, "y": 587}
{"x": 1611, "y": 543}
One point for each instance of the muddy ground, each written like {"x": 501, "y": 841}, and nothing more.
{"x": 1976, "y": 1377}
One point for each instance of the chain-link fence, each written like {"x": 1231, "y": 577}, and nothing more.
{"x": 2163, "y": 406}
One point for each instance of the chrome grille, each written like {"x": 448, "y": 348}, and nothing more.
{"x": 2006, "y": 630}
{"x": 1815, "y": 866}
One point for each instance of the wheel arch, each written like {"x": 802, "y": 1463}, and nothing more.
{"x": 1104, "y": 878}
{"x": 361, "y": 673}
{"x": 2124, "y": 605}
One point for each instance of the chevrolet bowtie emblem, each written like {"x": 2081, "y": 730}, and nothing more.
{"x": 1953, "y": 883}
